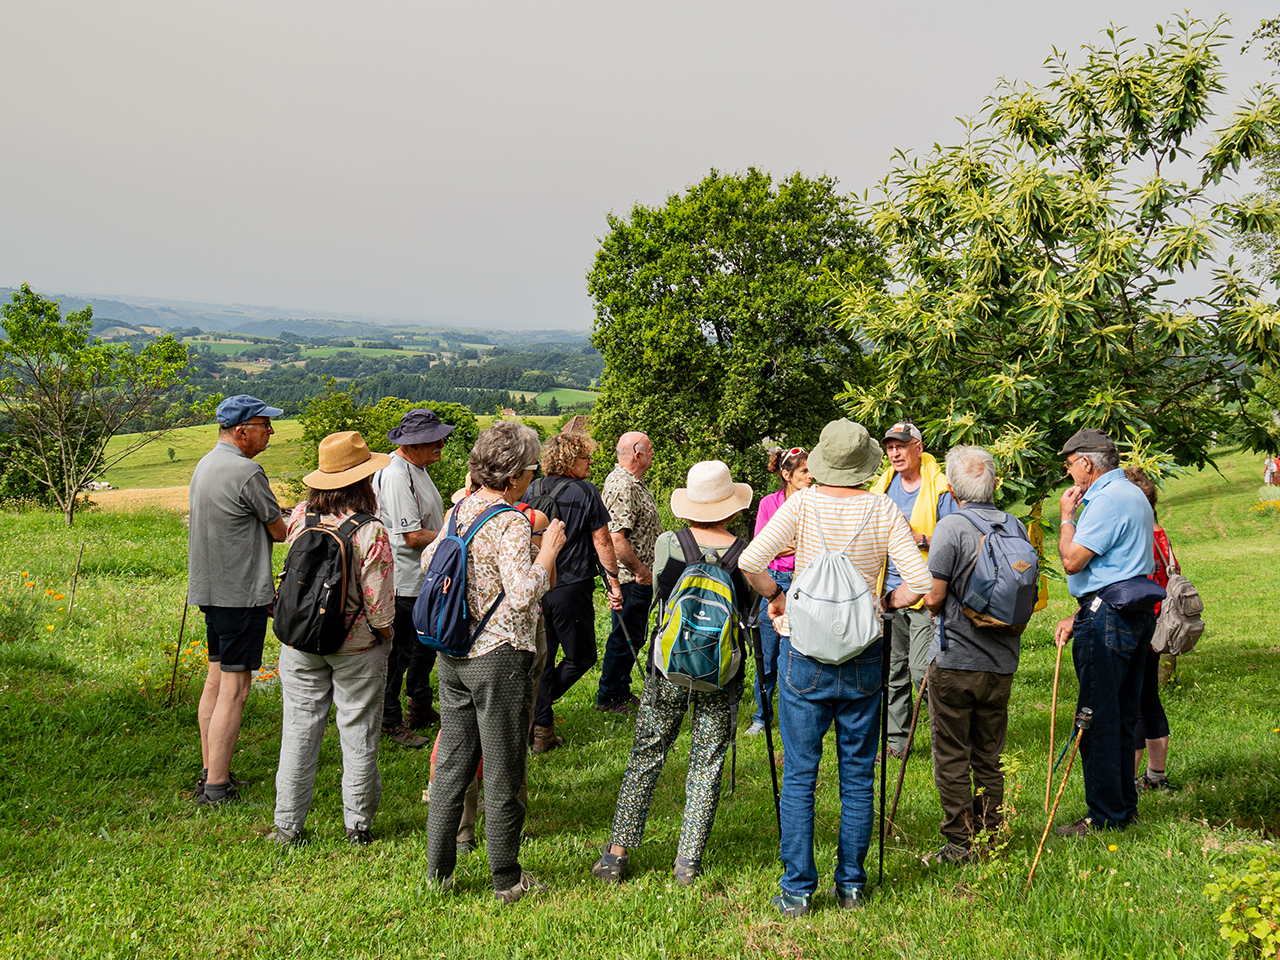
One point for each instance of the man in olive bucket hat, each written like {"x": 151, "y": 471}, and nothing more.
{"x": 410, "y": 507}
{"x": 838, "y": 511}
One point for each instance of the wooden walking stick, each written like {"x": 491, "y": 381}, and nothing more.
{"x": 1053, "y": 716}
{"x": 1083, "y": 719}
{"x": 177, "y": 653}
{"x": 902, "y": 769}
{"x": 74, "y": 580}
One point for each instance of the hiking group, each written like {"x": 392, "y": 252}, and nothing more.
{"x": 862, "y": 593}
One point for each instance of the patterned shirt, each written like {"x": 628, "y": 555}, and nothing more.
{"x": 631, "y": 509}
{"x": 373, "y": 560}
{"x": 500, "y": 556}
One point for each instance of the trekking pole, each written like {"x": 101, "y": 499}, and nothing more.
{"x": 887, "y": 617}
{"x": 74, "y": 580}
{"x": 1053, "y": 716}
{"x": 1083, "y": 719}
{"x": 177, "y": 652}
{"x": 902, "y": 770}
{"x": 767, "y": 712}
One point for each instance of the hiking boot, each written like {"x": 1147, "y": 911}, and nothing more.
{"x": 686, "y": 871}
{"x": 284, "y": 838}
{"x": 465, "y": 847}
{"x": 1145, "y": 784}
{"x": 621, "y": 708}
{"x": 792, "y": 905}
{"x": 610, "y": 867}
{"x": 949, "y": 853}
{"x": 359, "y": 837}
{"x": 442, "y": 884}
{"x": 756, "y": 728}
{"x": 200, "y": 780}
{"x": 1081, "y": 828}
{"x": 528, "y": 884}
{"x": 545, "y": 739}
{"x": 230, "y": 796}
{"x": 853, "y": 898}
{"x": 419, "y": 716}
{"x": 403, "y": 735}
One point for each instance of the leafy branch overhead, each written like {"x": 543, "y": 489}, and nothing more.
{"x": 1037, "y": 262}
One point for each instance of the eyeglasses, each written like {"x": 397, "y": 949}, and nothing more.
{"x": 256, "y": 423}
{"x": 1069, "y": 462}
{"x": 794, "y": 451}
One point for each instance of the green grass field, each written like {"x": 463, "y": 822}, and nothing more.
{"x": 103, "y": 854}
{"x": 151, "y": 466}
{"x": 566, "y": 395}
{"x": 308, "y": 352}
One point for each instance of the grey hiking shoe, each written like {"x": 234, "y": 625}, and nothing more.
{"x": 528, "y": 884}
{"x": 284, "y": 838}
{"x": 854, "y": 898}
{"x": 686, "y": 871}
{"x": 792, "y": 905}
{"x": 610, "y": 867}
{"x": 950, "y": 853}
{"x": 232, "y": 795}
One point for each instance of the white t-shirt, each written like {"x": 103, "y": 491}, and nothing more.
{"x": 407, "y": 501}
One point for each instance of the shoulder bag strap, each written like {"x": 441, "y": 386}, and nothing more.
{"x": 689, "y": 544}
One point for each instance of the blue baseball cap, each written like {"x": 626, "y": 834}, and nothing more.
{"x": 236, "y": 410}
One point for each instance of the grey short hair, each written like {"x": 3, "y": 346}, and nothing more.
{"x": 971, "y": 471}
{"x": 1102, "y": 462}
{"x": 502, "y": 452}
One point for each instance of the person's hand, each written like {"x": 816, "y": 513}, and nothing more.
{"x": 644, "y": 577}
{"x": 1065, "y": 630}
{"x": 613, "y": 590}
{"x": 553, "y": 537}
{"x": 1069, "y": 501}
{"x": 778, "y": 606}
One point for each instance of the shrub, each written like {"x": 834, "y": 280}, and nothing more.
{"x": 1249, "y": 923}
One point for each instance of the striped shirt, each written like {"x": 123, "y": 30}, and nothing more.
{"x": 796, "y": 522}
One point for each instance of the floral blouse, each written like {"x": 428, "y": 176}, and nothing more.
{"x": 500, "y": 556}
{"x": 375, "y": 582}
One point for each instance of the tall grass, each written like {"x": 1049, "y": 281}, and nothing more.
{"x": 102, "y": 852}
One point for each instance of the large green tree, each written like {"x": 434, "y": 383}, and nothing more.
{"x": 66, "y": 394}
{"x": 715, "y": 316}
{"x": 1035, "y": 262}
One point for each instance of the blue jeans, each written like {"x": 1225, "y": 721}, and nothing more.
{"x": 615, "y": 666}
{"x": 1109, "y": 650}
{"x": 811, "y": 696}
{"x": 769, "y": 642}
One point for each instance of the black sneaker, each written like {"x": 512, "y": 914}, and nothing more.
{"x": 465, "y": 847}
{"x": 359, "y": 837}
{"x": 230, "y": 796}
{"x": 950, "y": 853}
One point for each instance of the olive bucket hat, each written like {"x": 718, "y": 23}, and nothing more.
{"x": 846, "y": 455}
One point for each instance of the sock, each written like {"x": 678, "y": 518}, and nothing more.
{"x": 216, "y": 791}
{"x": 1154, "y": 775}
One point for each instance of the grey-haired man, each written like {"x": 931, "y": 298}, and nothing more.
{"x": 410, "y": 507}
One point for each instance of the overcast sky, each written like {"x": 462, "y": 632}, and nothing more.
{"x": 454, "y": 162}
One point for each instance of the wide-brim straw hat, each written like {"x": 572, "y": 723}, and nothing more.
{"x": 846, "y": 455}
{"x": 344, "y": 459}
{"x": 711, "y": 495}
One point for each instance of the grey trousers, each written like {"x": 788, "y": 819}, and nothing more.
{"x": 355, "y": 685}
{"x": 908, "y": 656}
{"x": 484, "y": 709}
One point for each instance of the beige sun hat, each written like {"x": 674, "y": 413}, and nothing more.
{"x": 711, "y": 495}
{"x": 344, "y": 459}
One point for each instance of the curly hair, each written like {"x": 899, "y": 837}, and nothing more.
{"x": 502, "y": 452}
{"x": 561, "y": 450}
{"x": 779, "y": 461}
{"x": 1144, "y": 483}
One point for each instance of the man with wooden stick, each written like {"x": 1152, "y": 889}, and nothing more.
{"x": 234, "y": 521}
{"x": 971, "y": 668}
{"x": 1105, "y": 546}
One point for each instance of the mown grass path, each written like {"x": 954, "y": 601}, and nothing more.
{"x": 103, "y": 854}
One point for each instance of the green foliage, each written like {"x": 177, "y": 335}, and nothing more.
{"x": 1251, "y": 921}
{"x": 67, "y": 394}
{"x": 1035, "y": 260}
{"x": 714, "y": 314}
{"x": 336, "y": 410}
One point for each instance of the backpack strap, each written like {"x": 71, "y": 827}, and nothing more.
{"x": 485, "y": 516}
{"x": 1170, "y": 564}
{"x": 857, "y": 533}
{"x": 689, "y": 544}
{"x": 817, "y": 520}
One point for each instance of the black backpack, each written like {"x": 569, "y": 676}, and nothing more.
{"x": 542, "y": 494}
{"x": 311, "y": 598}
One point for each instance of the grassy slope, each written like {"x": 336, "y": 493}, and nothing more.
{"x": 102, "y": 852}
{"x": 151, "y": 467}
{"x": 566, "y": 395}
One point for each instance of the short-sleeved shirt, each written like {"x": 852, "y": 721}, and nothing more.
{"x": 906, "y": 502}
{"x": 583, "y": 512}
{"x": 407, "y": 501}
{"x": 768, "y": 507}
{"x": 1115, "y": 522}
{"x": 953, "y": 554}
{"x": 228, "y": 546}
{"x": 631, "y": 508}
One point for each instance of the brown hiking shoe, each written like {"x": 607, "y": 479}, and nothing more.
{"x": 419, "y": 716}
{"x": 544, "y": 739}
{"x": 403, "y": 735}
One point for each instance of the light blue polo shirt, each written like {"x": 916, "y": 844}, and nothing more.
{"x": 1114, "y": 521}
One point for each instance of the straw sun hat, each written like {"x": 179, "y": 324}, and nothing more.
{"x": 711, "y": 495}
{"x": 344, "y": 459}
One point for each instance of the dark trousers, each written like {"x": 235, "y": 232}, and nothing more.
{"x": 1109, "y": 650}
{"x": 411, "y": 661}
{"x": 1153, "y": 723}
{"x": 615, "y": 669}
{"x": 968, "y": 723}
{"x": 570, "y": 617}
{"x": 484, "y": 710}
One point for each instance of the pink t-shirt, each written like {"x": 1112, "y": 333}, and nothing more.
{"x": 768, "y": 507}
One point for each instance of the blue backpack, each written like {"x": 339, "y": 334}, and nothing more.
{"x": 1001, "y": 594}
{"x": 440, "y": 614}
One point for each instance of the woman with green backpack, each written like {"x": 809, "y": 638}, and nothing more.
{"x": 696, "y": 582}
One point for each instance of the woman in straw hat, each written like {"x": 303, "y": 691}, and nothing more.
{"x": 352, "y": 678}
{"x": 709, "y": 501}
{"x": 485, "y": 696}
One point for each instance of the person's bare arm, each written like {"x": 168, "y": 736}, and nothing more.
{"x": 903, "y": 597}
{"x": 764, "y": 585}
{"x": 420, "y": 539}
{"x": 935, "y": 597}
{"x": 603, "y": 543}
{"x": 276, "y": 530}
{"x": 627, "y": 557}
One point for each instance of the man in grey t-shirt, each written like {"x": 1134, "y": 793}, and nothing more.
{"x": 971, "y": 668}
{"x": 410, "y": 507}
{"x": 234, "y": 521}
